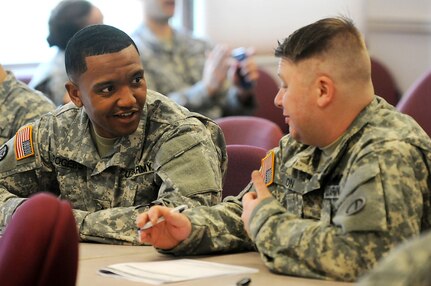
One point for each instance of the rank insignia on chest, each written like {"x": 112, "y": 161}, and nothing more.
{"x": 267, "y": 168}
{"x": 24, "y": 143}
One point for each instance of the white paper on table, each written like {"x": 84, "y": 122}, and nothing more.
{"x": 161, "y": 272}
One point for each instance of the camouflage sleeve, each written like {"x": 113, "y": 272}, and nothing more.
{"x": 360, "y": 233}
{"x": 34, "y": 108}
{"x": 112, "y": 226}
{"x": 234, "y": 106}
{"x": 194, "y": 97}
{"x": 216, "y": 229}
{"x": 408, "y": 264}
{"x": 188, "y": 165}
{"x": 9, "y": 203}
{"x": 117, "y": 225}
{"x": 18, "y": 178}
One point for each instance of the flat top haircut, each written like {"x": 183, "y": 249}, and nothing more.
{"x": 93, "y": 40}
{"x": 336, "y": 39}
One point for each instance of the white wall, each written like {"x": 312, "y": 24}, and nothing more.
{"x": 261, "y": 23}
{"x": 399, "y": 35}
{"x": 398, "y": 32}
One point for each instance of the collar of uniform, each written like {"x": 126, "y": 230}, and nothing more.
{"x": 358, "y": 124}
{"x": 126, "y": 149}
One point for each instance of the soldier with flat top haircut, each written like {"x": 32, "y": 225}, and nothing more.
{"x": 348, "y": 183}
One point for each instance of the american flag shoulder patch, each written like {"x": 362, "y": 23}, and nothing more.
{"x": 267, "y": 168}
{"x": 24, "y": 143}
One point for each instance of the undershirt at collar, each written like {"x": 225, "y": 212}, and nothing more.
{"x": 105, "y": 146}
{"x": 329, "y": 149}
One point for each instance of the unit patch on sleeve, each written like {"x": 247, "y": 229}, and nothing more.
{"x": 24, "y": 143}
{"x": 3, "y": 152}
{"x": 267, "y": 168}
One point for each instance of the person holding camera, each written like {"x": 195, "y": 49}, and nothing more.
{"x": 186, "y": 70}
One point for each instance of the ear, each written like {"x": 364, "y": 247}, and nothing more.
{"x": 326, "y": 91}
{"x": 74, "y": 93}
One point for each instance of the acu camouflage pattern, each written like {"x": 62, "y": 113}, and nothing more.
{"x": 176, "y": 71}
{"x": 407, "y": 265}
{"x": 174, "y": 157}
{"x": 19, "y": 105}
{"x": 313, "y": 225}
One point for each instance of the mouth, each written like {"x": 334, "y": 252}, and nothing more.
{"x": 125, "y": 115}
{"x": 128, "y": 116}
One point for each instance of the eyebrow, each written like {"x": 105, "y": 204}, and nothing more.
{"x": 103, "y": 84}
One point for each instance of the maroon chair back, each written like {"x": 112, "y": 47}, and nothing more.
{"x": 384, "y": 83}
{"x": 250, "y": 130}
{"x": 417, "y": 101}
{"x": 40, "y": 244}
{"x": 266, "y": 90}
{"x": 242, "y": 160}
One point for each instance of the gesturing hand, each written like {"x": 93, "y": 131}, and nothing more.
{"x": 216, "y": 69}
{"x": 252, "y": 199}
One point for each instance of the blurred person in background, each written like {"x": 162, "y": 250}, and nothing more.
{"x": 191, "y": 71}
{"x": 67, "y": 18}
{"x": 19, "y": 105}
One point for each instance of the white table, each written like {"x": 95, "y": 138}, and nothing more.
{"x": 95, "y": 256}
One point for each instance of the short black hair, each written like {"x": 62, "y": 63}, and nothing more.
{"x": 67, "y": 18}
{"x": 316, "y": 38}
{"x": 92, "y": 41}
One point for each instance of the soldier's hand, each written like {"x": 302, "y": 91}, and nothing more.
{"x": 252, "y": 199}
{"x": 167, "y": 234}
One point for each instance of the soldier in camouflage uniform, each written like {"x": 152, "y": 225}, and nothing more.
{"x": 407, "y": 265}
{"x": 177, "y": 65}
{"x": 117, "y": 149}
{"x": 19, "y": 105}
{"x": 351, "y": 180}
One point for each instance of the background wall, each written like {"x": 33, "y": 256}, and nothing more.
{"x": 398, "y": 32}
{"x": 260, "y": 23}
{"x": 399, "y": 35}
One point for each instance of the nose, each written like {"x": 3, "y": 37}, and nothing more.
{"x": 278, "y": 100}
{"x": 126, "y": 97}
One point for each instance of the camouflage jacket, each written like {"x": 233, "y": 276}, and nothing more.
{"x": 176, "y": 70}
{"x": 331, "y": 218}
{"x": 174, "y": 157}
{"x": 408, "y": 264}
{"x": 19, "y": 105}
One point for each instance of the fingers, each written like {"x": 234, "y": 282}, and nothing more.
{"x": 260, "y": 186}
{"x": 249, "y": 69}
{"x": 249, "y": 197}
{"x": 219, "y": 55}
{"x": 151, "y": 215}
{"x": 250, "y": 51}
